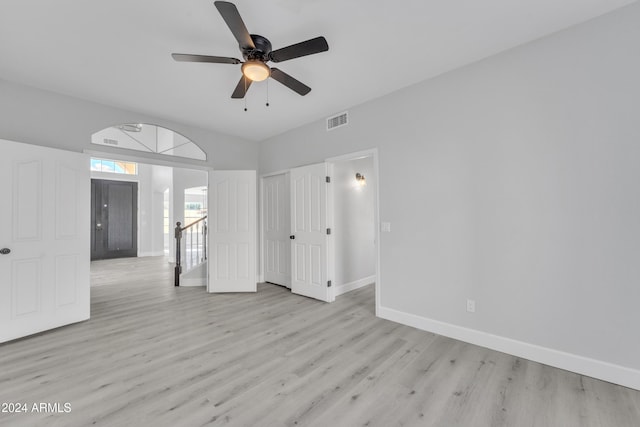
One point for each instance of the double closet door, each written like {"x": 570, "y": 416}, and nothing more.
{"x": 296, "y": 234}
{"x": 44, "y": 264}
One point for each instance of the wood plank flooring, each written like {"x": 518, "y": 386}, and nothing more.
{"x": 155, "y": 355}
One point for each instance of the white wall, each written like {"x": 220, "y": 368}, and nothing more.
{"x": 354, "y": 228}
{"x": 512, "y": 181}
{"x": 183, "y": 179}
{"x": 162, "y": 179}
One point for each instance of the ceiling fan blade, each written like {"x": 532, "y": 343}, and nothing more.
{"x": 185, "y": 57}
{"x": 290, "y": 82}
{"x": 231, "y": 16}
{"x": 241, "y": 88}
{"x": 309, "y": 47}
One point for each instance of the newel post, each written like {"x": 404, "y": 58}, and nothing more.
{"x": 178, "y": 268}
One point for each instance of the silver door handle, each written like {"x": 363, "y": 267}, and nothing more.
{"x": 5, "y": 251}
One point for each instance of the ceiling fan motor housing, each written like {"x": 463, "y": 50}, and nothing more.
{"x": 262, "y": 49}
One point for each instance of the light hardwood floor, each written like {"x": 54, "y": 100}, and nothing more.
{"x": 155, "y": 355}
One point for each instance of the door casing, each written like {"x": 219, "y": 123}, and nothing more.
{"x": 373, "y": 153}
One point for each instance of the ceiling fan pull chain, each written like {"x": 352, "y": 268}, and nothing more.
{"x": 267, "y": 93}
{"x": 245, "y": 91}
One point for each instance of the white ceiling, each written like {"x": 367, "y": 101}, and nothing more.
{"x": 117, "y": 52}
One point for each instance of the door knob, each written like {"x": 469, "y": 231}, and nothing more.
{"x": 5, "y": 251}
{"x": 292, "y": 237}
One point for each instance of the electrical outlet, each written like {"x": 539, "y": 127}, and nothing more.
{"x": 386, "y": 227}
{"x": 471, "y": 306}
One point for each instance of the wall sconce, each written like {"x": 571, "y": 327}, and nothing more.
{"x": 360, "y": 179}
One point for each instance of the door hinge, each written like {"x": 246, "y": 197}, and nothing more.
{"x": 328, "y": 179}
{"x": 328, "y": 231}
{"x": 329, "y": 284}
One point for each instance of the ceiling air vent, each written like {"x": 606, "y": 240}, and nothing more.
{"x": 336, "y": 121}
{"x": 108, "y": 141}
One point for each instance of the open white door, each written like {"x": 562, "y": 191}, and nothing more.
{"x": 44, "y": 265}
{"x": 309, "y": 233}
{"x": 276, "y": 209}
{"x": 232, "y": 230}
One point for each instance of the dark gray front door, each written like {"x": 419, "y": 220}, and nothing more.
{"x": 114, "y": 225}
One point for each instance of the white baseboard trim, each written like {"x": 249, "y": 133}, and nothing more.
{"x": 571, "y": 362}
{"x": 193, "y": 281}
{"x": 351, "y": 286}
{"x": 145, "y": 254}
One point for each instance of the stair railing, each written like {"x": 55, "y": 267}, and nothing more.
{"x": 195, "y": 248}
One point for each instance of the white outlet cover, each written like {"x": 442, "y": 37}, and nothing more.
{"x": 471, "y": 306}
{"x": 386, "y": 227}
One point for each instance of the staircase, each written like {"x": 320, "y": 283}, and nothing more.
{"x": 191, "y": 248}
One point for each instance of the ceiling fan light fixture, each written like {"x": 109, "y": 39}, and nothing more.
{"x": 256, "y": 71}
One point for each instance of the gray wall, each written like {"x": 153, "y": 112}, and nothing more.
{"x": 513, "y": 181}
{"x": 45, "y": 118}
{"x": 353, "y": 221}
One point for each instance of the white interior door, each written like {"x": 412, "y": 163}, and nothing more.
{"x": 232, "y": 244}
{"x": 44, "y": 279}
{"x": 275, "y": 215}
{"x": 309, "y": 244}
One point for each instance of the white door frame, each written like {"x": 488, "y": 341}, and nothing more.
{"x": 157, "y": 162}
{"x": 373, "y": 153}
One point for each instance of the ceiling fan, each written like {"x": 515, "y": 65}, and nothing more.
{"x": 256, "y": 51}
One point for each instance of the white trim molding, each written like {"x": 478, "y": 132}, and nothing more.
{"x": 148, "y": 254}
{"x": 605, "y": 371}
{"x": 352, "y": 286}
{"x": 193, "y": 282}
